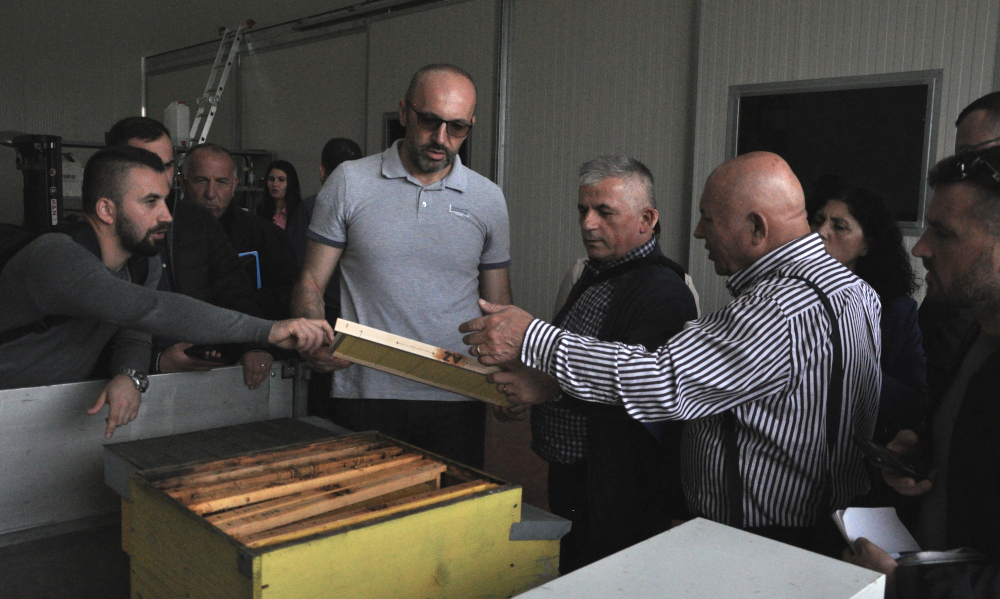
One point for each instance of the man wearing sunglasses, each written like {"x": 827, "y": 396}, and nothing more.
{"x": 419, "y": 239}
{"x": 959, "y": 504}
{"x": 944, "y": 326}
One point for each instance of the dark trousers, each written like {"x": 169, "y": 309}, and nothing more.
{"x": 451, "y": 429}
{"x": 634, "y": 487}
{"x": 568, "y": 499}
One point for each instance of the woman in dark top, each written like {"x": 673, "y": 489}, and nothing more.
{"x": 860, "y": 232}
{"x": 281, "y": 193}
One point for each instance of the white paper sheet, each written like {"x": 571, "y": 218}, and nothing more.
{"x": 880, "y": 525}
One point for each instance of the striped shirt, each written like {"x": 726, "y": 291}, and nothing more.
{"x": 767, "y": 356}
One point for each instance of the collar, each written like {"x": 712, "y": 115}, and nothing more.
{"x": 805, "y": 247}
{"x": 640, "y": 252}
{"x": 392, "y": 168}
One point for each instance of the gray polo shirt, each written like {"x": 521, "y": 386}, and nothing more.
{"x": 412, "y": 257}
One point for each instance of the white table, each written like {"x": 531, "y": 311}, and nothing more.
{"x": 701, "y": 558}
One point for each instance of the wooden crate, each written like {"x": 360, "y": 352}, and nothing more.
{"x": 356, "y": 516}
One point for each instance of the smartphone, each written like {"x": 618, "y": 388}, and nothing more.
{"x": 887, "y": 460}
{"x": 204, "y": 352}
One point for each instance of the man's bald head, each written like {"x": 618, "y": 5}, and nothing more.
{"x": 438, "y": 70}
{"x": 752, "y": 204}
{"x": 979, "y": 124}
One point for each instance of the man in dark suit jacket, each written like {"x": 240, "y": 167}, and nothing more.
{"x": 209, "y": 179}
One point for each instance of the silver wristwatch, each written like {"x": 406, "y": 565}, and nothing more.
{"x": 139, "y": 378}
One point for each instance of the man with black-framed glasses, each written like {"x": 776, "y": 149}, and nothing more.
{"x": 419, "y": 238}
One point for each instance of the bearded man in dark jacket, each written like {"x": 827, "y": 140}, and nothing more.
{"x": 198, "y": 261}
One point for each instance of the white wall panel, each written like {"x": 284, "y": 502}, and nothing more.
{"x": 759, "y": 41}
{"x": 600, "y": 77}
{"x": 297, "y": 98}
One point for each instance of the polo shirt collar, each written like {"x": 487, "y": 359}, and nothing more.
{"x": 805, "y": 247}
{"x": 392, "y": 168}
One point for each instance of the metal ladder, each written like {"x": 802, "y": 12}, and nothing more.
{"x": 220, "y": 71}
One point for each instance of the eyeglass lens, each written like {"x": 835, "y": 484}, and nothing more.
{"x": 432, "y": 123}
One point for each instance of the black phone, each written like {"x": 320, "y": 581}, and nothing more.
{"x": 204, "y": 352}
{"x": 888, "y": 460}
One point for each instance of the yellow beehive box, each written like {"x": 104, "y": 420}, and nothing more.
{"x": 358, "y": 516}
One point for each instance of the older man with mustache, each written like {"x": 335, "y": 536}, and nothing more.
{"x": 773, "y": 386}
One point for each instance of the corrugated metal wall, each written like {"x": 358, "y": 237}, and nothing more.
{"x": 600, "y": 77}
{"x": 758, "y": 41}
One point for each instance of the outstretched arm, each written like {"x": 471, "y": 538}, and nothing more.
{"x": 307, "y": 298}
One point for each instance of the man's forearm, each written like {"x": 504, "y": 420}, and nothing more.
{"x": 307, "y": 301}
{"x": 494, "y": 286}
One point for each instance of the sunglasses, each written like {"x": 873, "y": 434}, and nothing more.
{"x": 970, "y": 163}
{"x": 430, "y": 122}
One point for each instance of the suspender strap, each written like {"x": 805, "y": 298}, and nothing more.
{"x": 834, "y": 408}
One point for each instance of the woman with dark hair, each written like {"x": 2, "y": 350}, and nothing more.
{"x": 281, "y": 193}
{"x": 860, "y": 232}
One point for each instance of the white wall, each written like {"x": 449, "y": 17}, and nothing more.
{"x": 601, "y": 77}
{"x": 759, "y": 41}
{"x": 295, "y": 99}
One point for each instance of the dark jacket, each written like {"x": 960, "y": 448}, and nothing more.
{"x": 633, "y": 475}
{"x": 973, "y": 507}
{"x": 903, "y": 399}
{"x": 201, "y": 264}
{"x": 204, "y": 265}
{"x": 278, "y": 271}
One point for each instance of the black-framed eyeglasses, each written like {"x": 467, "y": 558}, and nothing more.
{"x": 430, "y": 122}
{"x": 979, "y": 146}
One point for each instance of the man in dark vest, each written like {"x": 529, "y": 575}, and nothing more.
{"x": 616, "y": 479}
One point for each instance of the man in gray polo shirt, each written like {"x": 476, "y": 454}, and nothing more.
{"x": 419, "y": 238}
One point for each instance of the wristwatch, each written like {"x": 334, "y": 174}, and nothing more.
{"x": 139, "y": 378}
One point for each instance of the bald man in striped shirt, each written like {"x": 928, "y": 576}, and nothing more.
{"x": 774, "y": 384}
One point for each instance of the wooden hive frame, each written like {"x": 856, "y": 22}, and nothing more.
{"x": 415, "y": 361}
{"x": 311, "y": 489}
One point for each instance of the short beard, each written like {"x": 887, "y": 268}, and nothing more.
{"x": 426, "y": 165}
{"x": 137, "y": 243}
{"x": 976, "y": 286}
